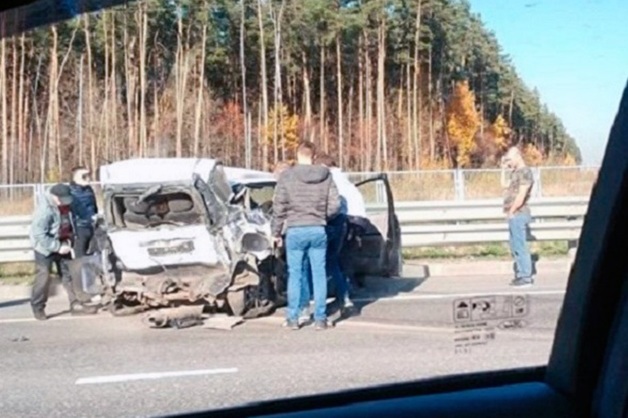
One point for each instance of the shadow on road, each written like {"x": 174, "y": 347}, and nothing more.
{"x": 12, "y": 303}
{"x": 535, "y": 259}
{"x": 56, "y": 314}
{"x": 373, "y": 290}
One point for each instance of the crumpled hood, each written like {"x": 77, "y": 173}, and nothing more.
{"x": 311, "y": 174}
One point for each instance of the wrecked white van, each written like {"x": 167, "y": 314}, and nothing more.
{"x": 170, "y": 235}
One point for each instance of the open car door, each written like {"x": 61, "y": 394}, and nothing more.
{"x": 377, "y": 248}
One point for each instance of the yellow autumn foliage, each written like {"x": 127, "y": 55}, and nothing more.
{"x": 532, "y": 155}
{"x": 436, "y": 164}
{"x": 288, "y": 129}
{"x": 53, "y": 175}
{"x": 463, "y": 121}
{"x": 569, "y": 160}
{"x": 501, "y": 132}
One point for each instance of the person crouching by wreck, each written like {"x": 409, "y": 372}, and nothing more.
{"x": 84, "y": 209}
{"x": 305, "y": 198}
{"x": 51, "y": 237}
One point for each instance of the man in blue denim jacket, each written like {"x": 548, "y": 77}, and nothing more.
{"x": 51, "y": 236}
{"x": 84, "y": 209}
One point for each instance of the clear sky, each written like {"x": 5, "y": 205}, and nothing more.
{"x": 575, "y": 52}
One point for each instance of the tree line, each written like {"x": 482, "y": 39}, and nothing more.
{"x": 379, "y": 84}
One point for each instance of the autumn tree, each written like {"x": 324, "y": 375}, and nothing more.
{"x": 377, "y": 83}
{"x": 286, "y": 133}
{"x": 500, "y": 132}
{"x": 532, "y": 155}
{"x": 463, "y": 122}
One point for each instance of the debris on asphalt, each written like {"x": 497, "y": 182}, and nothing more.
{"x": 222, "y": 321}
{"x": 179, "y": 318}
{"x": 19, "y": 339}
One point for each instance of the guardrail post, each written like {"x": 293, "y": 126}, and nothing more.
{"x": 538, "y": 186}
{"x": 459, "y": 184}
{"x": 36, "y": 195}
{"x": 39, "y": 190}
{"x": 380, "y": 192}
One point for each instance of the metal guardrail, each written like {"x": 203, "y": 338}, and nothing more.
{"x": 422, "y": 224}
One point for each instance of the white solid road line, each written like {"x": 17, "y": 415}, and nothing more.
{"x": 440, "y": 296}
{"x": 58, "y": 318}
{"x": 151, "y": 376}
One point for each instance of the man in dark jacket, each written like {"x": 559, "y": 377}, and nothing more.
{"x": 305, "y": 198}
{"x": 84, "y": 209}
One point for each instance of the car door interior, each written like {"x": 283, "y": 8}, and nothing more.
{"x": 378, "y": 236}
{"x": 587, "y": 373}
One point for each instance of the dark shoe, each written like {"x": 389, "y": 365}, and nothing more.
{"x": 347, "y": 309}
{"x": 522, "y": 283}
{"x": 39, "y": 314}
{"x": 80, "y": 309}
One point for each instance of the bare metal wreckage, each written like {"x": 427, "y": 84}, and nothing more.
{"x": 177, "y": 232}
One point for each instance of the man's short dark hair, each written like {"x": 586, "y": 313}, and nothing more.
{"x": 307, "y": 149}
{"x": 326, "y": 160}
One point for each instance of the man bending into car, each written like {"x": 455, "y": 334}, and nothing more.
{"x": 305, "y": 198}
{"x": 352, "y": 205}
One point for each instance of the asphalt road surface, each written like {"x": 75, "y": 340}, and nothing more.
{"x": 407, "y": 329}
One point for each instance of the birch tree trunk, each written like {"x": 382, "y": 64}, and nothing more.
{"x": 416, "y": 94}
{"x": 341, "y": 144}
{"x": 199, "y": 98}
{"x": 323, "y": 122}
{"x": 247, "y": 149}
{"x": 382, "y": 143}
{"x": 22, "y": 113}
{"x": 361, "y": 79}
{"x": 4, "y": 111}
{"x": 142, "y": 21}
{"x": 308, "y": 97}
{"x": 90, "y": 95}
{"x": 264, "y": 77}
{"x": 14, "y": 106}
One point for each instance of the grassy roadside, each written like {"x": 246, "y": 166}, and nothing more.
{"x": 22, "y": 273}
{"x": 493, "y": 251}
{"x": 16, "y": 273}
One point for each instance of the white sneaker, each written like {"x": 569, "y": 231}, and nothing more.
{"x": 305, "y": 317}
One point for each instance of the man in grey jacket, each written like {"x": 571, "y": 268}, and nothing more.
{"x": 305, "y": 198}
{"x": 51, "y": 235}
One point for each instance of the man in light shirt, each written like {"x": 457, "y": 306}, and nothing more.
{"x": 351, "y": 199}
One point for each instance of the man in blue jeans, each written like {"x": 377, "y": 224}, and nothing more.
{"x": 305, "y": 198}
{"x": 517, "y": 212}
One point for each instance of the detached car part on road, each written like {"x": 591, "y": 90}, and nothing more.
{"x": 179, "y": 232}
